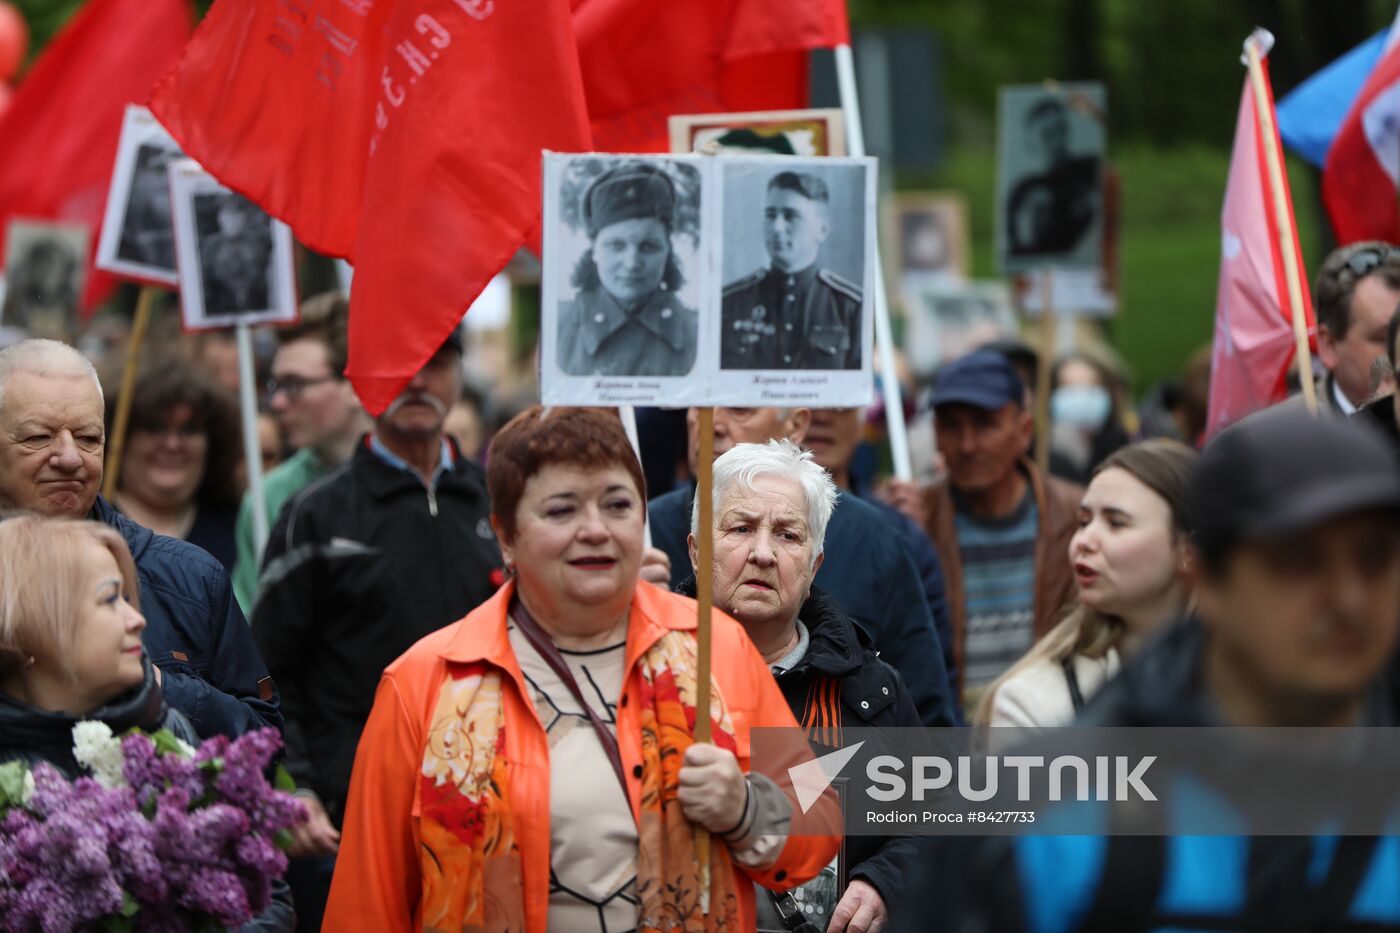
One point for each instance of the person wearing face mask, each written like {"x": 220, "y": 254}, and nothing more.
{"x": 1084, "y": 422}
{"x": 626, "y": 319}
{"x": 1129, "y": 567}
{"x": 385, "y": 549}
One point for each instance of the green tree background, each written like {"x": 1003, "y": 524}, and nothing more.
{"x": 1174, "y": 82}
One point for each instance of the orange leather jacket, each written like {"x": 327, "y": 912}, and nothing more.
{"x": 377, "y": 881}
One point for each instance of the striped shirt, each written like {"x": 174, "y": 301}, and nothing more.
{"x": 998, "y": 561}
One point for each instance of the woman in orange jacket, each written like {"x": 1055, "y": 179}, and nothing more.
{"x": 534, "y": 766}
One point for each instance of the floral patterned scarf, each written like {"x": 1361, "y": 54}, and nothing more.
{"x": 470, "y": 858}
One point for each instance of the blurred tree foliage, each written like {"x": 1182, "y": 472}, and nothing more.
{"x": 46, "y": 17}
{"x": 1164, "y": 62}
{"x": 1174, "y": 82}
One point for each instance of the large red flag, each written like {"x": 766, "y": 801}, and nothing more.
{"x": 59, "y": 136}
{"x": 1362, "y": 172}
{"x": 405, "y": 136}
{"x": 1254, "y": 340}
{"x": 644, "y": 60}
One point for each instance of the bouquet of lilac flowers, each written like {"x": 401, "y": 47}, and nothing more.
{"x": 161, "y": 837}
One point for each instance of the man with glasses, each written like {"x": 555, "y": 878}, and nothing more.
{"x": 319, "y": 416}
{"x": 382, "y": 551}
{"x": 1355, "y": 297}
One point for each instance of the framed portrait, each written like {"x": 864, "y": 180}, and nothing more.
{"x": 1051, "y": 143}
{"x": 947, "y": 319}
{"x": 683, "y": 280}
{"x": 138, "y": 237}
{"x": 45, "y": 272}
{"x": 927, "y": 235}
{"x": 815, "y": 132}
{"x": 235, "y": 262}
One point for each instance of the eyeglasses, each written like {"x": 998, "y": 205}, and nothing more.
{"x": 1365, "y": 261}
{"x": 294, "y": 385}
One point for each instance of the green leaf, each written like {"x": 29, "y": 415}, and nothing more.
{"x": 283, "y": 780}
{"x": 12, "y": 783}
{"x": 167, "y": 743}
{"x": 129, "y": 905}
{"x": 283, "y": 839}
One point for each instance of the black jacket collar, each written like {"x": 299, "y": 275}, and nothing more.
{"x": 383, "y": 479}
{"x": 29, "y": 732}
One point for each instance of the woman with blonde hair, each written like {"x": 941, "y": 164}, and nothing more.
{"x": 1129, "y": 561}
{"x": 70, "y": 640}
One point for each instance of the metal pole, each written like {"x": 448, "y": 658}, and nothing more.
{"x": 252, "y": 450}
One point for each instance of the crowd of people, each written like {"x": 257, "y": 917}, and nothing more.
{"x": 474, "y": 627}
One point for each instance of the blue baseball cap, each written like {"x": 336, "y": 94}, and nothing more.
{"x": 982, "y": 379}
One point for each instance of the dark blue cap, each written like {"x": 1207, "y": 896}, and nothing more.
{"x": 1282, "y": 471}
{"x": 982, "y": 379}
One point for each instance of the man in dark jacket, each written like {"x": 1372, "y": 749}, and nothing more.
{"x": 833, "y": 437}
{"x": 51, "y": 446}
{"x": 866, "y": 567}
{"x": 1297, "y": 528}
{"x": 772, "y": 508}
{"x": 391, "y": 546}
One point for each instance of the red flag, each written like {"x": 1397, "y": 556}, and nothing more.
{"x": 404, "y": 136}
{"x": 644, "y": 60}
{"x": 1362, "y": 173}
{"x": 59, "y": 135}
{"x": 1254, "y": 341}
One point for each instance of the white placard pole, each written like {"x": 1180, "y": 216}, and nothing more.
{"x": 884, "y": 333}
{"x": 628, "y": 414}
{"x": 252, "y": 450}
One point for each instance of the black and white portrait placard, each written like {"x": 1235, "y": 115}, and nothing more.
{"x": 138, "y": 238}
{"x": 1051, "y": 144}
{"x": 684, "y": 280}
{"x": 45, "y": 264}
{"x": 235, "y": 261}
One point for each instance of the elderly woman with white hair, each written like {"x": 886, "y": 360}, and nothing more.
{"x": 772, "y": 504}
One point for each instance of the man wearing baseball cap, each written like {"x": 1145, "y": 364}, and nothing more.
{"x": 1296, "y": 523}
{"x": 1001, "y": 526}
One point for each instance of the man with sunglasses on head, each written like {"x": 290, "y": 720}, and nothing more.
{"x": 1355, "y": 296}
{"x": 318, "y": 414}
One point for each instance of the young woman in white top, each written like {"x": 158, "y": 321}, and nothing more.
{"x": 1129, "y": 560}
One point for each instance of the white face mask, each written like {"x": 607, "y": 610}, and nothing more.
{"x": 1084, "y": 407}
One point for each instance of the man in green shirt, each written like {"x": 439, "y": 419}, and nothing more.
{"x": 318, "y": 412}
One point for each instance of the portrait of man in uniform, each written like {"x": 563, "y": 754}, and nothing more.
{"x": 235, "y": 253}
{"x": 795, "y": 313}
{"x": 627, "y": 317}
{"x": 1049, "y": 179}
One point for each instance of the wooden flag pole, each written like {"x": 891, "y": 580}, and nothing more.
{"x": 1283, "y": 218}
{"x": 116, "y": 443}
{"x": 704, "y": 597}
{"x": 1042, "y": 375}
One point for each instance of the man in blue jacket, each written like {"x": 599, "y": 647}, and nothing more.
{"x": 867, "y": 570}
{"x": 51, "y": 446}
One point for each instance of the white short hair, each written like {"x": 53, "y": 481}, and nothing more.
{"x": 743, "y": 463}
{"x": 45, "y": 358}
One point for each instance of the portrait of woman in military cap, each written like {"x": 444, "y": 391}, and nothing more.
{"x": 627, "y": 317}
